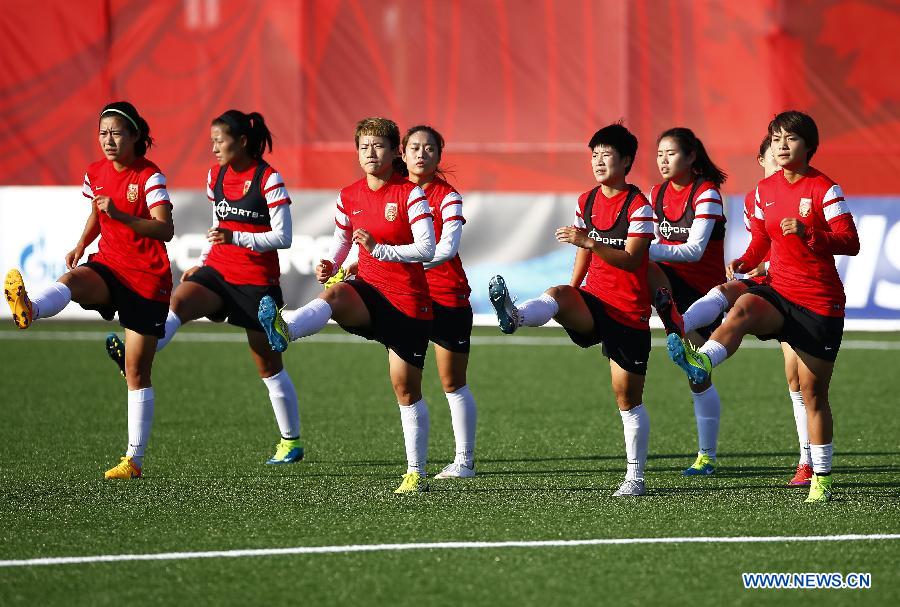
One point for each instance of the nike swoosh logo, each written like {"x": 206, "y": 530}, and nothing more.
{"x": 99, "y": 187}
{"x": 417, "y": 355}
{"x": 768, "y": 204}
{"x": 357, "y": 212}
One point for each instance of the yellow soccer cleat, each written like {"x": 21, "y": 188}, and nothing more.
{"x": 819, "y": 489}
{"x": 125, "y": 469}
{"x": 338, "y": 277}
{"x": 413, "y": 482}
{"x": 17, "y": 298}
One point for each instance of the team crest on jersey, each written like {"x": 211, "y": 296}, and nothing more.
{"x": 805, "y": 207}
{"x": 247, "y": 185}
{"x": 132, "y": 194}
{"x": 390, "y": 211}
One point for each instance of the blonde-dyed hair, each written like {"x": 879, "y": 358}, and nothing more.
{"x": 378, "y": 127}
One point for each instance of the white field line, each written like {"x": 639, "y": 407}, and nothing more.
{"x": 175, "y": 556}
{"x": 346, "y": 338}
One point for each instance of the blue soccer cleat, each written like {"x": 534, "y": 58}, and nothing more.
{"x": 695, "y": 364}
{"x": 273, "y": 324}
{"x": 704, "y": 465}
{"x": 116, "y": 351}
{"x": 288, "y": 451}
{"x": 507, "y": 314}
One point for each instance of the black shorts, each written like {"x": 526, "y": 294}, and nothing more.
{"x": 137, "y": 313}
{"x": 405, "y": 335}
{"x": 240, "y": 303}
{"x": 452, "y": 327}
{"x": 803, "y": 329}
{"x": 627, "y": 346}
{"x": 685, "y": 295}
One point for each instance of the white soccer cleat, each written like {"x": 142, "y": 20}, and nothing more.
{"x": 455, "y": 470}
{"x": 630, "y": 487}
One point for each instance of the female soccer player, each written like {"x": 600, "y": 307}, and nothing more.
{"x": 801, "y": 220}
{"x": 689, "y": 255}
{"x": 389, "y": 218}
{"x": 719, "y": 300}
{"x": 451, "y": 329}
{"x": 613, "y": 229}
{"x": 130, "y": 274}
{"x": 251, "y": 220}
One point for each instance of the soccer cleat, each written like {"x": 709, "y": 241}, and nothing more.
{"x": 115, "y": 348}
{"x": 413, "y": 482}
{"x": 630, "y": 487}
{"x": 273, "y": 324}
{"x": 17, "y": 298}
{"x": 668, "y": 312}
{"x": 287, "y": 451}
{"x": 819, "y": 489}
{"x": 704, "y": 465}
{"x": 125, "y": 469}
{"x": 507, "y": 314}
{"x": 694, "y": 363}
{"x": 455, "y": 470}
{"x": 802, "y": 477}
{"x": 338, "y": 277}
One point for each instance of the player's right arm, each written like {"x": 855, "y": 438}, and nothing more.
{"x": 760, "y": 242}
{"x": 91, "y": 227}
{"x": 340, "y": 244}
{"x": 580, "y": 268}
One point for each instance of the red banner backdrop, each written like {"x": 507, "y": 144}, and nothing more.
{"x": 517, "y": 87}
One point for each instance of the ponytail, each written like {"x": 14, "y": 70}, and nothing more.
{"x": 703, "y": 165}
{"x": 133, "y": 121}
{"x": 252, "y": 126}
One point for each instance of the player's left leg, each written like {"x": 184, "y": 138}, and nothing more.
{"x": 139, "y": 352}
{"x": 463, "y": 412}
{"x": 629, "y": 389}
{"x": 282, "y": 395}
{"x": 406, "y": 380}
{"x": 815, "y": 379}
{"x": 804, "y": 471}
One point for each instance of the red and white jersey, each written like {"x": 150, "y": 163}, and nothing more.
{"x": 625, "y": 294}
{"x": 749, "y": 210}
{"x": 138, "y": 262}
{"x": 447, "y": 282}
{"x": 245, "y": 208}
{"x": 685, "y": 223}
{"x": 388, "y": 215}
{"x": 803, "y": 269}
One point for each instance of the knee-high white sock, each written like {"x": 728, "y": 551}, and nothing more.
{"x": 308, "y": 320}
{"x": 716, "y": 352}
{"x": 140, "y": 421}
{"x": 802, "y": 431}
{"x": 414, "y": 419}
{"x": 463, "y": 414}
{"x": 707, "y": 411}
{"x": 821, "y": 458}
{"x": 636, "y": 424}
{"x": 705, "y": 310}
{"x": 538, "y": 311}
{"x": 51, "y": 300}
{"x": 173, "y": 323}
{"x": 284, "y": 403}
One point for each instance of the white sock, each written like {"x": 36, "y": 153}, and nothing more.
{"x": 173, "y": 323}
{"x": 140, "y": 421}
{"x": 716, "y": 352}
{"x": 821, "y": 458}
{"x": 284, "y": 403}
{"x": 705, "y": 310}
{"x": 414, "y": 419}
{"x": 308, "y": 320}
{"x": 463, "y": 414}
{"x": 537, "y": 312}
{"x": 51, "y": 300}
{"x": 707, "y": 410}
{"x": 636, "y": 425}
{"x": 802, "y": 431}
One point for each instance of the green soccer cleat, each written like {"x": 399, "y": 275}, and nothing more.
{"x": 413, "y": 482}
{"x": 273, "y": 324}
{"x": 287, "y": 452}
{"x": 115, "y": 348}
{"x": 704, "y": 465}
{"x": 338, "y": 277}
{"x": 695, "y": 364}
{"x": 507, "y": 314}
{"x": 819, "y": 489}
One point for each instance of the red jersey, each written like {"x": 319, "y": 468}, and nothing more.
{"x": 803, "y": 269}
{"x": 625, "y": 294}
{"x": 447, "y": 282}
{"x": 749, "y": 209}
{"x": 676, "y": 213}
{"x": 138, "y": 262}
{"x": 241, "y": 202}
{"x": 388, "y": 214}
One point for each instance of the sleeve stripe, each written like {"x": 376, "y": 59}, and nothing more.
{"x": 159, "y": 202}
{"x": 278, "y": 203}
{"x": 343, "y": 227}
{"x": 341, "y": 209}
{"x": 450, "y": 203}
{"x": 832, "y": 201}
{"x": 422, "y": 216}
{"x": 644, "y": 219}
{"x": 412, "y": 202}
{"x": 705, "y": 216}
{"x": 211, "y": 199}
{"x": 639, "y": 235}
{"x": 88, "y": 196}
{"x": 709, "y": 200}
{"x": 455, "y": 218}
{"x": 156, "y": 187}
{"x": 277, "y": 185}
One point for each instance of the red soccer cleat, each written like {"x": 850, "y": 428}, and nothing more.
{"x": 802, "y": 477}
